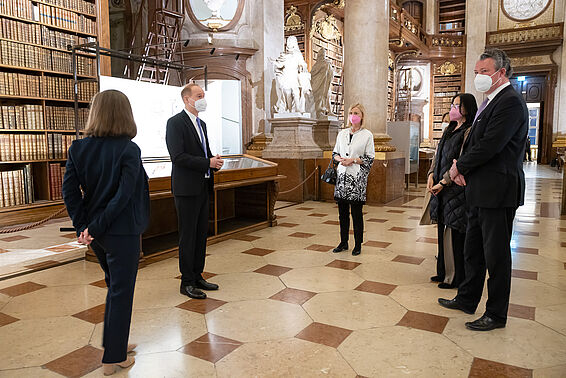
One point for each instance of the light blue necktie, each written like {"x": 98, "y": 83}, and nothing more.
{"x": 203, "y": 142}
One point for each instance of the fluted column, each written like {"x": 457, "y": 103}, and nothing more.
{"x": 476, "y": 29}
{"x": 366, "y": 46}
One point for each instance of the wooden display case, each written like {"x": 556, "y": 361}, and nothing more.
{"x": 243, "y": 200}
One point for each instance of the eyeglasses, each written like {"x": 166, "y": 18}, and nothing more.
{"x": 454, "y": 106}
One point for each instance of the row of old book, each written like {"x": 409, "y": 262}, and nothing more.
{"x": 29, "y": 56}
{"x": 49, "y": 87}
{"x": 30, "y": 117}
{"x": 38, "y": 34}
{"x": 56, "y": 174}
{"x": 16, "y": 186}
{"x": 78, "y": 5}
{"x": 17, "y": 8}
{"x": 22, "y": 147}
{"x": 64, "y": 19}
{"x": 58, "y": 145}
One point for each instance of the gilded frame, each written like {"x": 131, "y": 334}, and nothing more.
{"x": 226, "y": 27}
{"x": 527, "y": 19}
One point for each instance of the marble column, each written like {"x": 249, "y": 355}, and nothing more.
{"x": 366, "y": 43}
{"x": 476, "y": 28}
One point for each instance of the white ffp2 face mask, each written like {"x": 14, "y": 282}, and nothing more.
{"x": 200, "y": 105}
{"x": 484, "y": 82}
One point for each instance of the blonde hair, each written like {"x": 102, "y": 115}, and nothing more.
{"x": 362, "y": 110}
{"x": 111, "y": 115}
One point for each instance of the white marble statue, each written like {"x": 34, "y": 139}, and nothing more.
{"x": 292, "y": 80}
{"x": 322, "y": 74}
{"x": 214, "y": 6}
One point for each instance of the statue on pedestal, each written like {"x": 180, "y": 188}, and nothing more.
{"x": 322, "y": 74}
{"x": 292, "y": 80}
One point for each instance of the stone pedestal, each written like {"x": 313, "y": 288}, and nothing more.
{"x": 325, "y": 132}
{"x": 292, "y": 139}
{"x": 259, "y": 143}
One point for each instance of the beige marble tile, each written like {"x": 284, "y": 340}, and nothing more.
{"x": 553, "y": 317}
{"x": 158, "y": 293}
{"x": 354, "y": 309}
{"x": 522, "y": 343}
{"x": 4, "y": 299}
{"x": 535, "y": 294}
{"x": 394, "y": 273}
{"x": 160, "y": 330}
{"x": 369, "y": 255}
{"x": 535, "y": 263}
{"x": 321, "y": 279}
{"x": 233, "y": 263}
{"x": 35, "y": 372}
{"x": 76, "y": 273}
{"x": 289, "y": 243}
{"x": 34, "y": 342}
{"x": 424, "y": 298}
{"x": 55, "y": 301}
{"x": 550, "y": 372}
{"x": 555, "y": 278}
{"x": 229, "y": 246}
{"x": 245, "y": 286}
{"x": 160, "y": 270}
{"x": 167, "y": 364}
{"x": 402, "y": 352}
{"x": 249, "y": 321}
{"x": 299, "y": 258}
{"x": 284, "y": 358}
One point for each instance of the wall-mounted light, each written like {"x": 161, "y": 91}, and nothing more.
{"x": 521, "y": 78}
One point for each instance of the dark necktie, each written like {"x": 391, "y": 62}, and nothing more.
{"x": 481, "y": 108}
{"x": 203, "y": 142}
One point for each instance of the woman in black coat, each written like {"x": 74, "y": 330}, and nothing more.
{"x": 106, "y": 194}
{"x": 448, "y": 203}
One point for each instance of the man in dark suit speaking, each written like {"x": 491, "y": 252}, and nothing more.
{"x": 191, "y": 182}
{"x": 491, "y": 167}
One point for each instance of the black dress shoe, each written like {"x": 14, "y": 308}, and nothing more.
{"x": 444, "y": 285}
{"x": 357, "y": 250}
{"x": 202, "y": 284}
{"x": 192, "y": 292}
{"x": 453, "y": 304}
{"x": 437, "y": 279}
{"x": 341, "y": 247}
{"x": 485, "y": 323}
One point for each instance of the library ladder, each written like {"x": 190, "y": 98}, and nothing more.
{"x": 161, "y": 43}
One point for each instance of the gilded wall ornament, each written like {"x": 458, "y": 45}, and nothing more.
{"x": 327, "y": 28}
{"x": 448, "y": 68}
{"x": 293, "y": 21}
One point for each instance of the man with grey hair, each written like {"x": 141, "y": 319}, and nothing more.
{"x": 491, "y": 168}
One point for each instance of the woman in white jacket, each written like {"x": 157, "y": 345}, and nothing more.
{"x": 354, "y": 151}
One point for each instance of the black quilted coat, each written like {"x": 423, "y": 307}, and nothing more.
{"x": 449, "y": 207}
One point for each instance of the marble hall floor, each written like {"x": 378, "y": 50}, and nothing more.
{"x": 289, "y": 307}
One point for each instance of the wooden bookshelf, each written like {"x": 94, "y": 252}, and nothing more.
{"x": 451, "y": 16}
{"x": 447, "y": 80}
{"x": 37, "y": 100}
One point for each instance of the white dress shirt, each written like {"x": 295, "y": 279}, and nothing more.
{"x": 196, "y": 126}
{"x": 492, "y": 95}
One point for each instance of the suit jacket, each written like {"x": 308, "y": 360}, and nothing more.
{"x": 187, "y": 155}
{"x": 492, "y": 158}
{"x": 115, "y": 192}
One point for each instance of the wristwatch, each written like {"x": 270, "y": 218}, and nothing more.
{"x": 441, "y": 183}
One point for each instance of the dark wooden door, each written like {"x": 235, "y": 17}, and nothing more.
{"x": 415, "y": 9}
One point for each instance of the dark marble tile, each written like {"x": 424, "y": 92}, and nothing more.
{"x": 259, "y": 251}
{"x": 273, "y": 270}
{"x": 93, "y": 315}
{"x": 530, "y": 251}
{"x": 211, "y": 347}
{"x": 14, "y": 238}
{"x": 520, "y": 311}
{"x": 341, "y": 264}
{"x": 295, "y": 296}
{"x": 285, "y": 224}
{"x": 248, "y": 238}
{"x": 377, "y": 220}
{"x": 334, "y": 223}
{"x": 424, "y": 239}
{"x": 7, "y": 319}
{"x": 101, "y": 284}
{"x": 396, "y": 211}
{"x": 409, "y": 259}
{"x": 484, "y": 368}
{"x": 526, "y": 274}
{"x": 401, "y": 229}
{"x": 302, "y": 235}
{"x": 318, "y": 215}
{"x": 324, "y": 334}
{"x": 202, "y": 306}
{"x": 527, "y": 233}
{"x": 77, "y": 363}
{"x": 376, "y": 287}
{"x": 377, "y": 244}
{"x": 319, "y": 248}
{"x": 424, "y": 321}
{"x": 21, "y": 289}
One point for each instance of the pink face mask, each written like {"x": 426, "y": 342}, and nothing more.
{"x": 355, "y": 119}
{"x": 455, "y": 114}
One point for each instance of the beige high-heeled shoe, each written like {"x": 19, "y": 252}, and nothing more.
{"x": 131, "y": 348}
{"x": 109, "y": 369}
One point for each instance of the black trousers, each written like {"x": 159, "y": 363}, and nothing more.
{"x": 487, "y": 245}
{"x": 357, "y": 217}
{"x": 458, "y": 240}
{"x": 192, "y": 215}
{"x": 118, "y": 255}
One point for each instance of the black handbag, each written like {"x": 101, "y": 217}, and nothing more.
{"x": 329, "y": 176}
